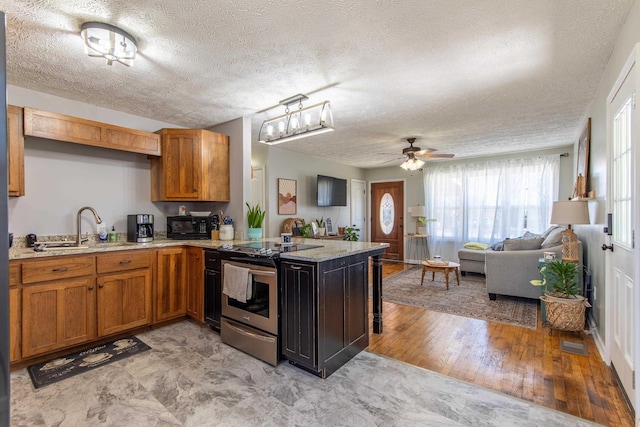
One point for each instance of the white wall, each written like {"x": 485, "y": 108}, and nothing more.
{"x": 592, "y": 235}
{"x": 62, "y": 177}
{"x": 280, "y": 163}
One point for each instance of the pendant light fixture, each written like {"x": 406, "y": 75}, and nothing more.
{"x": 108, "y": 42}
{"x": 412, "y": 164}
{"x": 305, "y": 121}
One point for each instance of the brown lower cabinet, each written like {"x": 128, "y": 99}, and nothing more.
{"x": 195, "y": 283}
{"x": 58, "y": 314}
{"x": 124, "y": 301}
{"x": 15, "y": 349}
{"x": 171, "y": 283}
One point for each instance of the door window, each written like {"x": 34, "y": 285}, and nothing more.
{"x": 387, "y": 213}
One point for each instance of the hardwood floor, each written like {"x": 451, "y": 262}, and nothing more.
{"x": 521, "y": 362}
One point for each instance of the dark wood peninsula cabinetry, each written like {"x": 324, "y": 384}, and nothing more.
{"x": 325, "y": 318}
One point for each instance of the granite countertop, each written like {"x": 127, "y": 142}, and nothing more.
{"x": 330, "y": 249}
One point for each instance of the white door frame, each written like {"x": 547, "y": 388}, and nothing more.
{"x": 364, "y": 231}
{"x": 634, "y": 59}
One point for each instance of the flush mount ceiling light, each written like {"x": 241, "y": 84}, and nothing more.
{"x": 412, "y": 164}
{"x": 305, "y": 121}
{"x": 108, "y": 42}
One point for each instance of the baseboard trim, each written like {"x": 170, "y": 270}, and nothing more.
{"x": 597, "y": 339}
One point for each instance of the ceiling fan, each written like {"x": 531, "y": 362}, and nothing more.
{"x": 411, "y": 155}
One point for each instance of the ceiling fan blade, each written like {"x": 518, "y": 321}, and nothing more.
{"x": 426, "y": 151}
{"x": 392, "y": 160}
{"x": 436, "y": 156}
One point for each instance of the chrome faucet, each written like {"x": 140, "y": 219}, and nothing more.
{"x": 79, "y": 238}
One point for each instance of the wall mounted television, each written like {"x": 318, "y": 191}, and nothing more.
{"x": 331, "y": 191}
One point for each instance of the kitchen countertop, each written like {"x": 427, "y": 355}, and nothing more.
{"x": 331, "y": 249}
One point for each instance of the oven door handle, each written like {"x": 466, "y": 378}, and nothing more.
{"x": 251, "y": 334}
{"x": 262, "y": 273}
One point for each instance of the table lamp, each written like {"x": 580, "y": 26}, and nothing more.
{"x": 567, "y": 213}
{"x": 418, "y": 212}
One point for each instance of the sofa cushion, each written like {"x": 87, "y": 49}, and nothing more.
{"x": 530, "y": 235}
{"x": 553, "y": 239}
{"x": 471, "y": 254}
{"x": 522, "y": 244}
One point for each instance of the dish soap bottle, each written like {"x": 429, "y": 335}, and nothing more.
{"x": 102, "y": 232}
{"x": 113, "y": 236}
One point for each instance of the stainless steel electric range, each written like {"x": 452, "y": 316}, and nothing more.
{"x": 253, "y": 325}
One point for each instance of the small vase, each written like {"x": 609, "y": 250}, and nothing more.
{"x": 254, "y": 233}
{"x": 321, "y": 231}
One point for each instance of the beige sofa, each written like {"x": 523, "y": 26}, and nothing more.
{"x": 509, "y": 272}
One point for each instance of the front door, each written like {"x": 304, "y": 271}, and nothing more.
{"x": 387, "y": 219}
{"x": 620, "y": 263}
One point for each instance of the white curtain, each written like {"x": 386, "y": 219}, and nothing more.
{"x": 488, "y": 202}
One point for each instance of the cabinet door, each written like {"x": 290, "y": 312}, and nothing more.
{"x": 182, "y": 165}
{"x": 58, "y": 314}
{"x": 15, "y": 151}
{"x": 124, "y": 301}
{"x": 299, "y": 313}
{"x": 195, "y": 283}
{"x": 171, "y": 298}
{"x": 14, "y": 324}
{"x": 213, "y": 298}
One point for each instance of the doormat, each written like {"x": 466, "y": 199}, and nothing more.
{"x": 573, "y": 347}
{"x": 46, "y": 373}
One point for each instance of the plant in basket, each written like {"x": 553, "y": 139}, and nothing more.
{"x": 561, "y": 286}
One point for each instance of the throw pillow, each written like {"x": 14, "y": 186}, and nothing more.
{"x": 530, "y": 235}
{"x": 522, "y": 244}
{"x": 497, "y": 246}
{"x": 548, "y": 231}
{"x": 476, "y": 245}
{"x": 553, "y": 239}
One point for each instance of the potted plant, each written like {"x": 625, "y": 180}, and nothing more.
{"x": 351, "y": 234}
{"x": 255, "y": 216}
{"x": 321, "y": 226}
{"x": 565, "y": 307}
{"x": 306, "y": 231}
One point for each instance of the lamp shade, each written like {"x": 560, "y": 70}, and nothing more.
{"x": 570, "y": 212}
{"x": 418, "y": 211}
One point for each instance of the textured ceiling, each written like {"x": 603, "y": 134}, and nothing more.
{"x": 465, "y": 77}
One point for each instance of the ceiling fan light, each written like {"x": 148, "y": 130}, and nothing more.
{"x": 412, "y": 164}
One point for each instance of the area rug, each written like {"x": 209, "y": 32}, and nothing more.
{"x": 52, "y": 371}
{"x": 470, "y": 299}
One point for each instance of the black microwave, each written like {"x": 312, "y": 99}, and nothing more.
{"x": 187, "y": 227}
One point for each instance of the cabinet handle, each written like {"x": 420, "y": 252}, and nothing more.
{"x": 90, "y": 288}
{"x": 60, "y": 269}
{"x": 125, "y": 262}
{"x": 197, "y": 258}
{"x": 296, "y": 267}
{"x": 100, "y": 286}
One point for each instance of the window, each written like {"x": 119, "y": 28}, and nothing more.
{"x": 487, "y": 202}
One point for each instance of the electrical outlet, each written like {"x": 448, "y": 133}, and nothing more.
{"x": 595, "y": 293}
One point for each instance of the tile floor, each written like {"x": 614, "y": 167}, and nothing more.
{"x": 190, "y": 378}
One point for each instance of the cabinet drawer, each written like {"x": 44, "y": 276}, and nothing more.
{"x": 126, "y": 260}
{"x": 54, "y": 269}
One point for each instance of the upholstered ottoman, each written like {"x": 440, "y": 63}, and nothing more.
{"x": 472, "y": 260}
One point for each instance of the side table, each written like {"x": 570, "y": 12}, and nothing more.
{"x": 445, "y": 268}
{"x": 422, "y": 252}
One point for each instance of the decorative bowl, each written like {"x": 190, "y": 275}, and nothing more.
{"x": 192, "y": 213}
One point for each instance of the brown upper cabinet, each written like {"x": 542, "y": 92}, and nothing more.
{"x": 194, "y": 166}
{"x": 44, "y": 124}
{"x": 15, "y": 151}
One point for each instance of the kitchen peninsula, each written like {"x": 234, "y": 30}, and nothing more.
{"x": 324, "y": 296}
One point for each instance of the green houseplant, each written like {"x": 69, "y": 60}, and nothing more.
{"x": 255, "y": 217}
{"x": 564, "y": 306}
{"x": 321, "y": 226}
{"x": 351, "y": 234}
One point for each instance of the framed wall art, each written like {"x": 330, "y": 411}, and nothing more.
{"x": 287, "y": 194}
{"x": 582, "y": 169}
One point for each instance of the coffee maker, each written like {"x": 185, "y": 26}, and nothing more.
{"x": 140, "y": 228}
